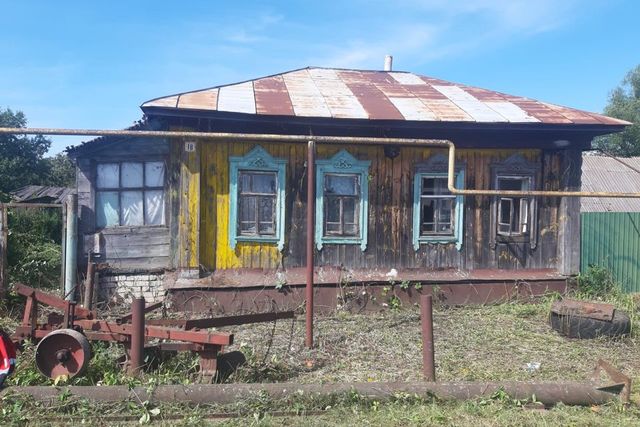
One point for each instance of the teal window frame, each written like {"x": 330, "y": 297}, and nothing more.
{"x": 458, "y": 222}
{"x": 342, "y": 163}
{"x": 257, "y": 160}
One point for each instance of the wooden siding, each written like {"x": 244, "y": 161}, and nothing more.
{"x": 390, "y": 214}
{"x": 128, "y": 248}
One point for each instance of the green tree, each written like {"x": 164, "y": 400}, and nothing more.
{"x": 21, "y": 157}
{"x": 624, "y": 103}
{"x": 60, "y": 171}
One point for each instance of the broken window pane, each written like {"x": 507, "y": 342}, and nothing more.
{"x": 154, "y": 204}
{"x": 131, "y": 175}
{"x": 132, "y": 208}
{"x": 108, "y": 175}
{"x": 107, "y": 208}
{"x": 154, "y": 174}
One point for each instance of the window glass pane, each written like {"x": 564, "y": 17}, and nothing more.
{"x": 247, "y": 215}
{"x": 107, "y": 208}
{"x": 349, "y": 206}
{"x": 154, "y": 174}
{"x": 513, "y": 184}
{"x": 428, "y": 216}
{"x": 341, "y": 184}
{"x": 332, "y": 209}
{"x": 132, "y": 175}
{"x": 434, "y": 186}
{"x": 264, "y": 183}
{"x": 108, "y": 175}
{"x": 266, "y": 215}
{"x": 131, "y": 207}
{"x": 154, "y": 201}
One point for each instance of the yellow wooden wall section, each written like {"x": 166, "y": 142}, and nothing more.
{"x": 215, "y": 251}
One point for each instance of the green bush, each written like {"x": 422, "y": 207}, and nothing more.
{"x": 597, "y": 281}
{"x": 34, "y": 255}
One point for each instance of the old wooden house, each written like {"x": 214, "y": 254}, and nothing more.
{"x": 226, "y": 219}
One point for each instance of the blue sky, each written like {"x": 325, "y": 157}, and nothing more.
{"x": 83, "y": 64}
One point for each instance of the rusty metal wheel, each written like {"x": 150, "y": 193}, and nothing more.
{"x": 63, "y": 352}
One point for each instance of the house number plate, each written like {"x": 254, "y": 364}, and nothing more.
{"x": 190, "y": 146}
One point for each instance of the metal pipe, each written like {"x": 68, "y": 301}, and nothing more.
{"x": 136, "y": 351}
{"x": 71, "y": 247}
{"x": 89, "y": 283}
{"x": 530, "y": 193}
{"x": 428, "y": 358}
{"x": 319, "y": 139}
{"x": 311, "y": 208}
{"x": 548, "y": 393}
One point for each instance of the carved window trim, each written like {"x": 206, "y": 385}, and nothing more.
{"x": 342, "y": 163}
{"x": 257, "y": 160}
{"x": 515, "y": 167}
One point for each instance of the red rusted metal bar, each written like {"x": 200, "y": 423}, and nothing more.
{"x": 174, "y": 334}
{"x": 148, "y": 309}
{"x": 216, "y": 322}
{"x": 51, "y": 300}
{"x": 311, "y": 208}
{"x": 88, "y": 288}
{"x": 428, "y": 359}
{"x": 548, "y": 393}
{"x": 137, "y": 336}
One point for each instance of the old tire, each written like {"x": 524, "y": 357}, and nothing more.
{"x": 587, "y": 328}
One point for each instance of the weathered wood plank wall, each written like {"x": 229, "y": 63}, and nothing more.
{"x": 390, "y": 214}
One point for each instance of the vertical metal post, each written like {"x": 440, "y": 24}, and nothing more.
{"x": 71, "y": 247}
{"x": 137, "y": 336}
{"x": 311, "y": 208}
{"x": 4, "y": 247}
{"x": 63, "y": 244}
{"x": 428, "y": 359}
{"x": 88, "y": 284}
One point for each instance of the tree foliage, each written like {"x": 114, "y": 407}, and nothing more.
{"x": 624, "y": 103}
{"x": 22, "y": 160}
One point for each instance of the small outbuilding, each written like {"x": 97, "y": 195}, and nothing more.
{"x": 222, "y": 223}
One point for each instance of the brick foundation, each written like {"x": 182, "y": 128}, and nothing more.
{"x": 121, "y": 288}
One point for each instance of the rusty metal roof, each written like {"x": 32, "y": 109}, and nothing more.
{"x": 374, "y": 95}
{"x": 602, "y": 173}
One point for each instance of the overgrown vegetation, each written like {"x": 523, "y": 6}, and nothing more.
{"x": 34, "y": 255}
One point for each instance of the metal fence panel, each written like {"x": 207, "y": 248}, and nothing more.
{"x": 612, "y": 240}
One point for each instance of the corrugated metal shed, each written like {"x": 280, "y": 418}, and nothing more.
{"x": 41, "y": 194}
{"x": 602, "y": 173}
{"x": 374, "y": 95}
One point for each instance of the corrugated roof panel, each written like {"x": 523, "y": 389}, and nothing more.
{"x": 357, "y": 94}
{"x": 341, "y": 101}
{"x": 476, "y": 109}
{"x": 238, "y": 98}
{"x": 376, "y": 104}
{"x": 305, "y": 96}
{"x": 575, "y": 116}
{"x": 413, "y": 109}
{"x": 201, "y": 100}
{"x": 602, "y": 173}
{"x": 407, "y": 79}
{"x": 511, "y": 112}
{"x": 167, "y": 101}
{"x": 272, "y": 97}
{"x": 539, "y": 111}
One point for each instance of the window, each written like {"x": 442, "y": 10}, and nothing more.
{"x": 256, "y": 198}
{"x": 437, "y": 214}
{"x": 342, "y": 200}
{"x": 130, "y": 193}
{"x": 513, "y": 217}
{"x": 513, "y": 212}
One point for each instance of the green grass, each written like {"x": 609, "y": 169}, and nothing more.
{"x": 472, "y": 343}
